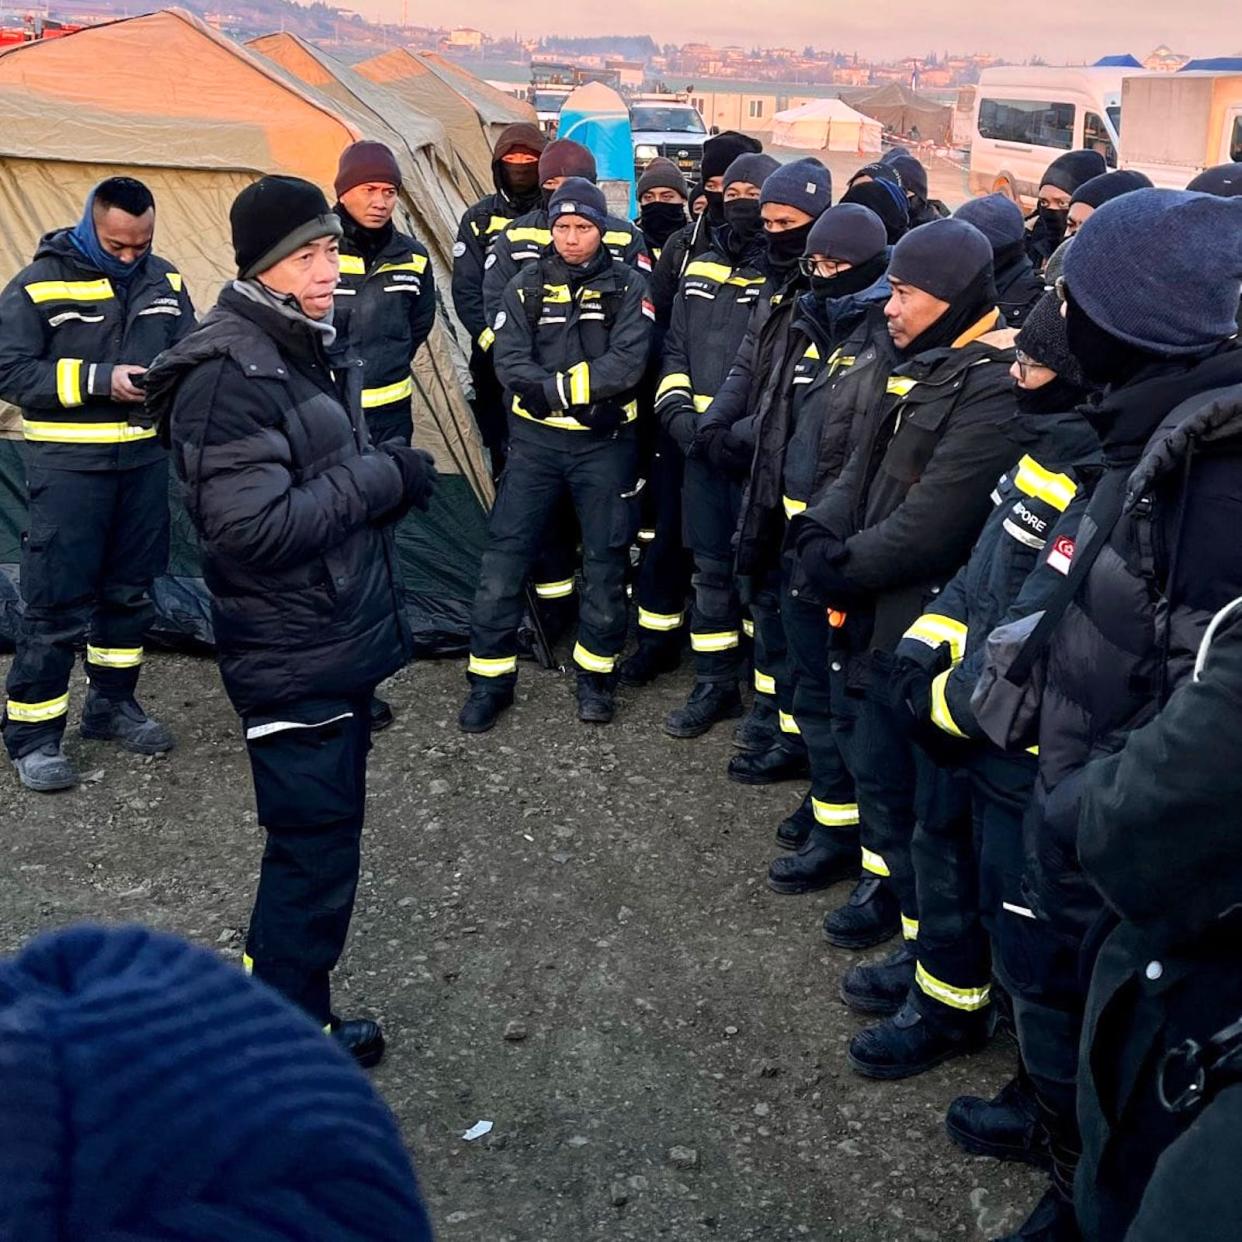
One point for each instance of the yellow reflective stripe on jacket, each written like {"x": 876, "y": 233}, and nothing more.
{"x": 487, "y": 338}
{"x": 661, "y": 621}
{"x": 969, "y": 999}
{"x": 497, "y": 224}
{"x": 497, "y": 667}
{"x": 835, "y": 814}
{"x": 416, "y": 263}
{"x": 555, "y": 590}
{"x": 174, "y": 279}
{"x": 556, "y": 293}
{"x": 718, "y": 640}
{"x": 873, "y": 862}
{"x": 765, "y": 683}
{"x": 542, "y": 236}
{"x": 36, "y": 713}
{"x": 114, "y": 657}
{"x": 675, "y": 381}
{"x": 840, "y": 362}
{"x": 900, "y": 385}
{"x": 909, "y": 928}
{"x": 1054, "y": 489}
{"x": 373, "y": 397}
{"x": 702, "y": 404}
{"x": 940, "y": 706}
{"x": 792, "y": 507}
{"x": 615, "y": 237}
{"x": 934, "y": 629}
{"x": 69, "y": 381}
{"x": 69, "y": 291}
{"x": 84, "y": 433}
{"x": 748, "y": 628}
{"x": 565, "y": 422}
{"x": 579, "y": 376}
{"x": 812, "y": 353}
{"x": 353, "y": 265}
{"x": 722, "y": 274}
{"x": 591, "y": 662}
{"x": 787, "y": 722}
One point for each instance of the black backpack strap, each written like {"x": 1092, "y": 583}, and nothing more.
{"x": 532, "y": 294}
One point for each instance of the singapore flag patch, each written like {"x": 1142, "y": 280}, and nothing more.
{"x": 1061, "y": 554}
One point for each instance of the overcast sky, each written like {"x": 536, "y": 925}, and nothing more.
{"x": 1054, "y": 29}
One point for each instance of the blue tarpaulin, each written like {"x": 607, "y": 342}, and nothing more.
{"x": 596, "y": 116}
{"x": 1125, "y": 61}
{"x": 1214, "y": 64}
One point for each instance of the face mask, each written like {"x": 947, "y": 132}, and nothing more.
{"x": 715, "y": 206}
{"x": 786, "y": 248}
{"x": 1054, "y": 223}
{"x": 742, "y": 216}
{"x": 661, "y": 220}
{"x": 858, "y": 278}
{"x": 521, "y": 180}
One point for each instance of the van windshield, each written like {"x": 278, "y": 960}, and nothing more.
{"x": 667, "y": 120}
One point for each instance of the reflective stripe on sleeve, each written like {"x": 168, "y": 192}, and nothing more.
{"x": 873, "y": 862}
{"x": 497, "y": 667}
{"x": 792, "y": 507}
{"x": 748, "y": 628}
{"x": 940, "y": 707}
{"x": 909, "y": 928}
{"x": 702, "y": 403}
{"x": 37, "y": 713}
{"x": 114, "y": 657}
{"x": 787, "y": 722}
{"x": 487, "y": 338}
{"x": 765, "y": 683}
{"x": 591, "y": 662}
{"x": 835, "y": 814}
{"x": 662, "y": 621}
{"x": 675, "y": 381}
{"x": 579, "y": 376}
{"x": 69, "y": 381}
{"x": 934, "y": 629}
{"x": 1046, "y": 485}
{"x": 969, "y": 999}
{"x": 248, "y": 963}
{"x": 84, "y": 433}
{"x": 372, "y": 398}
{"x": 555, "y": 590}
{"x": 721, "y": 640}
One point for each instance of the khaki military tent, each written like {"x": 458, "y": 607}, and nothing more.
{"x": 164, "y": 98}
{"x": 495, "y": 108}
{"x": 901, "y": 111}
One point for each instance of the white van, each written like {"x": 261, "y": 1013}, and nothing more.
{"x": 1026, "y": 117}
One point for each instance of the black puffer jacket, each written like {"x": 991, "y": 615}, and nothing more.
{"x": 1018, "y": 285}
{"x": 289, "y": 501}
{"x": 1172, "y": 446}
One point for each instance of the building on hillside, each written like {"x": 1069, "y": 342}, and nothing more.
{"x": 463, "y": 39}
{"x": 631, "y": 73}
{"x": 1164, "y": 60}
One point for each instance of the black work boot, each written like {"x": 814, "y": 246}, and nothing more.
{"x": 791, "y": 833}
{"x": 871, "y": 916}
{"x": 381, "y": 714}
{"x": 908, "y": 1044}
{"x": 760, "y": 728}
{"x": 47, "y": 769}
{"x": 709, "y": 702}
{"x": 880, "y": 987}
{"x": 826, "y": 858}
{"x": 362, "y": 1038}
{"x": 482, "y": 709}
{"x": 123, "y": 721}
{"x": 597, "y": 700}
{"x": 1053, "y": 1220}
{"x": 780, "y": 762}
{"x": 1006, "y": 1127}
{"x": 655, "y": 655}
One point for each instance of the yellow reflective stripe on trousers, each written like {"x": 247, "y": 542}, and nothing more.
{"x": 909, "y": 928}
{"x": 662, "y": 621}
{"x": 792, "y": 507}
{"x": 353, "y": 265}
{"x": 375, "y": 397}
{"x": 940, "y": 706}
{"x": 495, "y": 667}
{"x": 84, "y": 433}
{"x": 721, "y": 640}
{"x": 835, "y": 814}
{"x": 36, "y": 713}
{"x": 555, "y": 590}
{"x": 765, "y": 683}
{"x": 969, "y": 999}
{"x": 579, "y": 376}
{"x": 934, "y": 628}
{"x": 69, "y": 381}
{"x": 114, "y": 657}
{"x": 748, "y": 628}
{"x": 675, "y": 381}
{"x": 69, "y": 291}
{"x": 873, "y": 862}
{"x": 591, "y": 662}
{"x": 1054, "y": 489}
{"x": 787, "y": 722}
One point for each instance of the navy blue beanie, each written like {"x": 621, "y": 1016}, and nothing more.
{"x": 849, "y": 233}
{"x": 910, "y": 172}
{"x": 887, "y": 200}
{"x": 997, "y": 217}
{"x": 943, "y": 258}
{"x": 753, "y": 168}
{"x": 1104, "y": 188}
{"x": 881, "y": 170}
{"x": 1223, "y": 180}
{"x": 804, "y": 184}
{"x": 576, "y": 196}
{"x": 1160, "y": 270}
{"x": 152, "y": 1090}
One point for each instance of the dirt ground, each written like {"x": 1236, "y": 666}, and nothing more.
{"x": 599, "y": 895}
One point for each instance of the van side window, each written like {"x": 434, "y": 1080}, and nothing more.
{"x": 1033, "y": 122}
{"x": 1095, "y": 138}
{"x": 1235, "y": 143}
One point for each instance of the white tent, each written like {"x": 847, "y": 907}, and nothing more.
{"x": 825, "y": 125}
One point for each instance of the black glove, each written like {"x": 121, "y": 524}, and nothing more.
{"x": 728, "y": 453}
{"x": 679, "y": 427}
{"x": 910, "y": 694}
{"x": 602, "y": 416}
{"x": 820, "y": 554}
{"x": 418, "y": 476}
{"x": 533, "y": 398}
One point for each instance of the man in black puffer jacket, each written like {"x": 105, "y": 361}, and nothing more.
{"x": 294, "y": 509}
{"x": 1152, "y": 282}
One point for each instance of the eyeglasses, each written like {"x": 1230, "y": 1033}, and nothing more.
{"x": 1027, "y": 364}
{"x": 822, "y": 267}
{"x": 1063, "y": 293}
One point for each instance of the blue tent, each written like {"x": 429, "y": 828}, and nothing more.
{"x": 1125, "y": 61}
{"x": 596, "y": 116}
{"x": 1214, "y": 64}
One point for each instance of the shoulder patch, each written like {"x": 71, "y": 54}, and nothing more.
{"x": 649, "y": 308}
{"x": 1062, "y": 554}
{"x": 501, "y": 320}
{"x": 459, "y": 248}
{"x": 490, "y": 261}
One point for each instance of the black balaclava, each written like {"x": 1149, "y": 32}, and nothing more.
{"x": 521, "y": 183}
{"x": 965, "y": 310}
{"x": 1054, "y": 223}
{"x": 744, "y": 221}
{"x": 786, "y": 248}
{"x": 659, "y": 221}
{"x": 370, "y": 242}
{"x": 1104, "y": 358}
{"x": 1055, "y": 397}
{"x": 855, "y": 280}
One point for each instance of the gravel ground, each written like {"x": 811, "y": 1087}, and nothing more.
{"x": 566, "y": 932}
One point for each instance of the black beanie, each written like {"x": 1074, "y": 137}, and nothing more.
{"x": 1223, "y": 180}
{"x": 721, "y": 150}
{"x": 753, "y": 168}
{"x": 888, "y": 201}
{"x": 1044, "y": 340}
{"x": 943, "y": 258}
{"x": 1099, "y": 190}
{"x": 566, "y": 158}
{"x": 1067, "y": 172}
{"x": 275, "y": 216}
{"x": 848, "y": 232}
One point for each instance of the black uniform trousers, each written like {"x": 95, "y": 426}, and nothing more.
{"x": 774, "y": 680}
{"x": 96, "y": 539}
{"x": 387, "y": 422}
{"x": 832, "y": 787}
{"x": 663, "y": 581}
{"x": 310, "y": 781}
{"x": 597, "y": 475}
{"x": 488, "y": 408}
{"x": 710, "y": 506}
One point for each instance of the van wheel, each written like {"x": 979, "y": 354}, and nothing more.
{"x": 1002, "y": 184}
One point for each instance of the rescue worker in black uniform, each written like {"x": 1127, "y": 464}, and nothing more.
{"x": 1093, "y": 194}
{"x": 78, "y": 327}
{"x": 515, "y": 172}
{"x": 1151, "y": 283}
{"x": 294, "y": 508}
{"x": 793, "y": 198}
{"x": 887, "y": 200}
{"x": 710, "y": 316}
{"x": 662, "y": 582}
{"x": 968, "y": 869}
{"x": 804, "y": 428}
{"x": 893, "y": 528}
{"x": 912, "y": 177}
{"x": 571, "y": 345}
{"x": 1018, "y": 287}
{"x": 385, "y": 303}
{"x": 1047, "y": 225}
